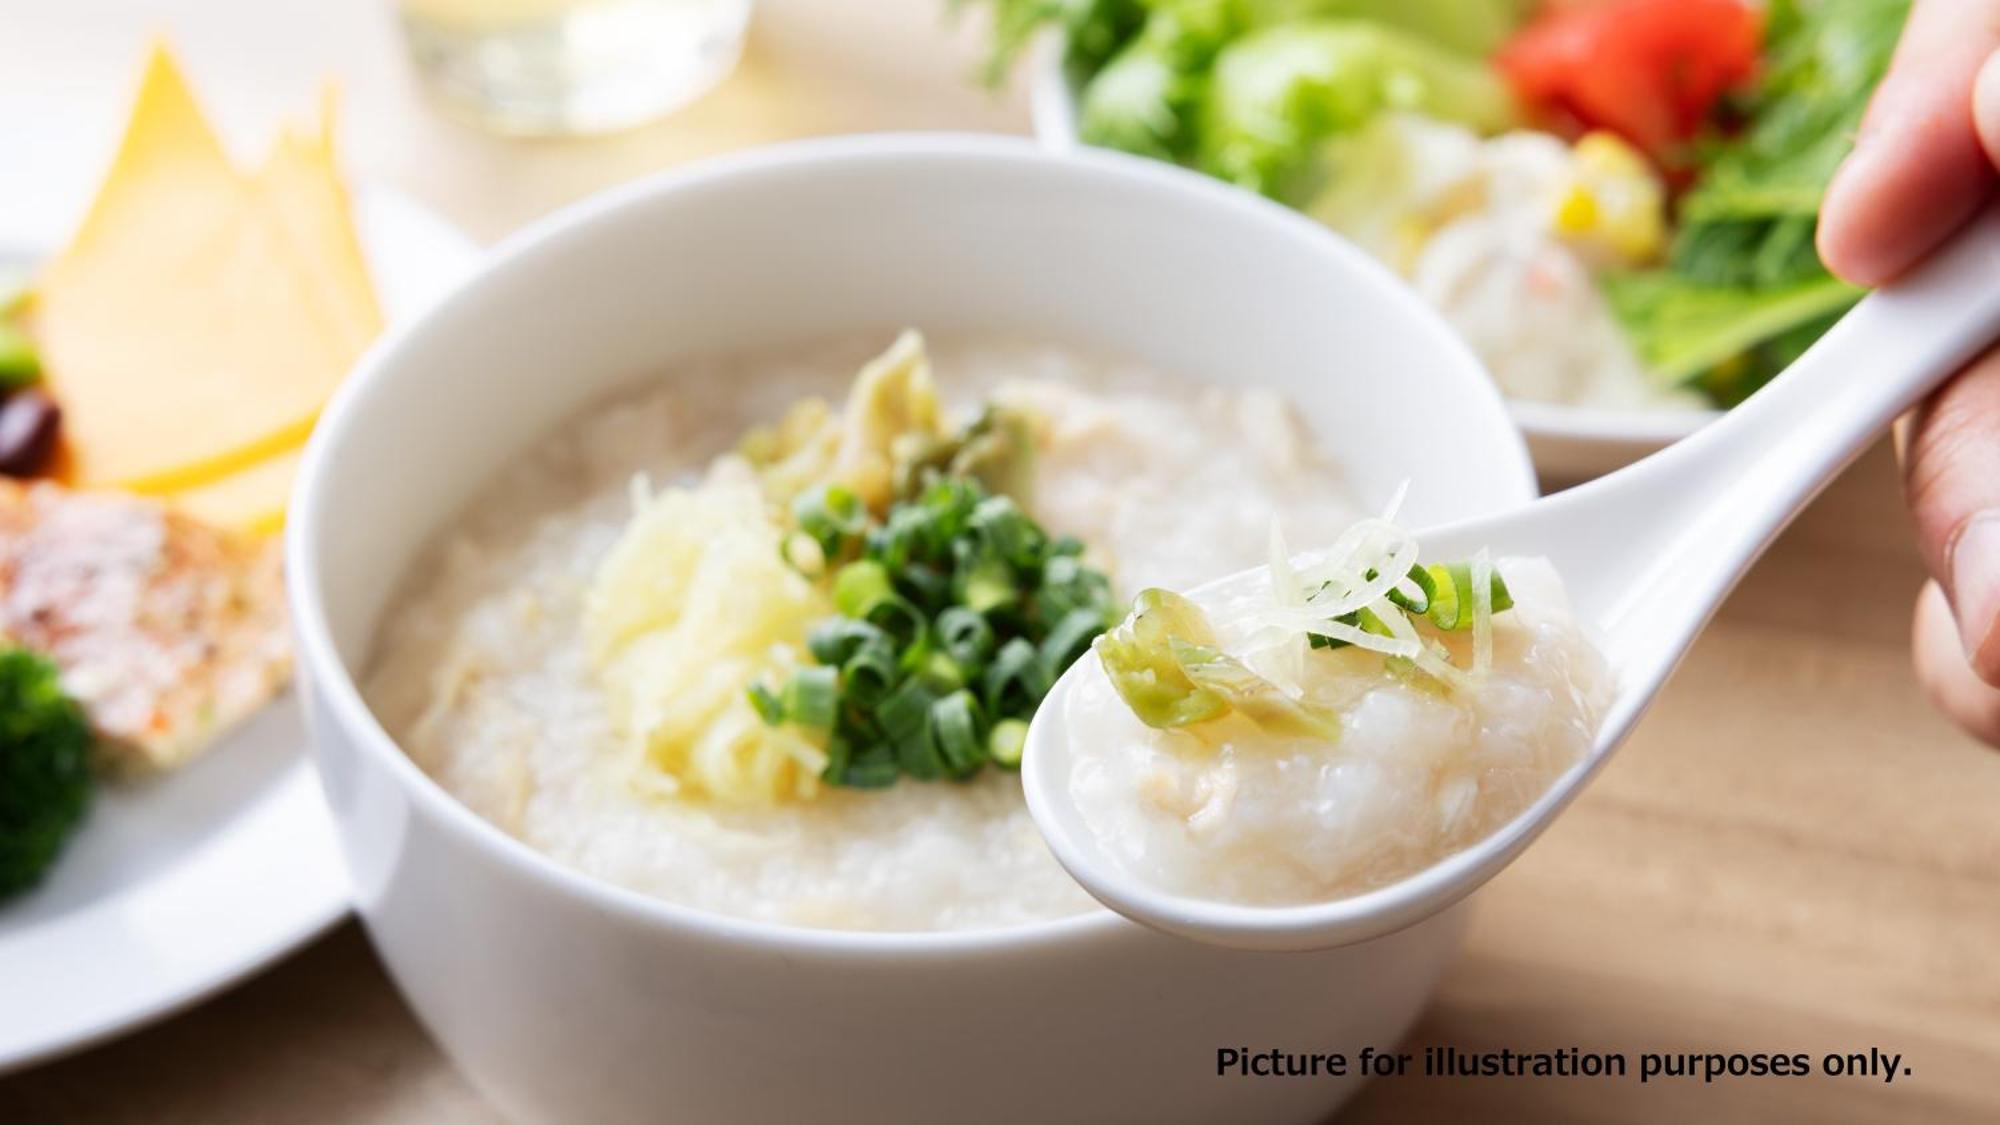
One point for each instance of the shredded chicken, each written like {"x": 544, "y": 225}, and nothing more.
{"x": 167, "y": 631}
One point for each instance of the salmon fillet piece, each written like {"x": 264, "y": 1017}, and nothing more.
{"x": 167, "y": 631}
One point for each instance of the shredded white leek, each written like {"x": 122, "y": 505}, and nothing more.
{"x": 1434, "y": 662}
{"x": 1370, "y": 560}
{"x": 1394, "y": 507}
{"x": 1337, "y": 583}
{"x": 1280, "y": 654}
{"x": 1285, "y": 587}
{"x": 1482, "y": 614}
{"x": 1366, "y": 592}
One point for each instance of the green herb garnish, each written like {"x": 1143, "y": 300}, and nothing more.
{"x": 957, "y": 612}
{"x": 44, "y": 768}
{"x": 1166, "y": 664}
{"x": 20, "y": 362}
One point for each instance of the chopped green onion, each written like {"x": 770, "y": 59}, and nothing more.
{"x": 941, "y": 671}
{"x": 1426, "y": 588}
{"x": 990, "y": 585}
{"x": 1251, "y": 695}
{"x": 803, "y": 553}
{"x": 965, "y": 634}
{"x": 926, "y": 585}
{"x": 917, "y": 756}
{"x": 900, "y": 618}
{"x": 1007, "y": 531}
{"x": 1068, "y": 585}
{"x": 1006, "y": 741}
{"x": 905, "y": 719}
{"x": 767, "y": 705}
{"x": 839, "y": 753}
{"x": 836, "y": 639}
{"x": 955, "y": 613}
{"x": 1444, "y": 598}
{"x": 1164, "y": 662}
{"x": 870, "y": 671}
{"x": 902, "y": 712}
{"x": 955, "y": 733}
{"x": 1068, "y": 639}
{"x": 1014, "y": 683}
{"x": 858, "y": 586}
{"x": 1451, "y": 604}
{"x": 1363, "y": 619}
{"x": 833, "y": 516}
{"x": 1138, "y": 658}
{"x": 995, "y": 451}
{"x": 812, "y": 698}
{"x": 894, "y": 543}
{"x": 873, "y": 768}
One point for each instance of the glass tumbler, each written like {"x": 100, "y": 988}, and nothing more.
{"x": 560, "y": 67}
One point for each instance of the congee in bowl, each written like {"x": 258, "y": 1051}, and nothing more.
{"x": 762, "y": 638}
{"x": 589, "y": 929}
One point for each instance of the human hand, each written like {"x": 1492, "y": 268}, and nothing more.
{"x": 1923, "y": 164}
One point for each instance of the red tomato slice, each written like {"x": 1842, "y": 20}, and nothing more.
{"x": 1649, "y": 70}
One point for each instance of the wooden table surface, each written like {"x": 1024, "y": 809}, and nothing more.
{"x": 1792, "y": 853}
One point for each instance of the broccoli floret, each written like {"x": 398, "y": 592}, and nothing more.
{"x": 44, "y": 768}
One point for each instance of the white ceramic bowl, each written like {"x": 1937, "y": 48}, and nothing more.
{"x": 567, "y": 999}
{"x": 1569, "y": 443}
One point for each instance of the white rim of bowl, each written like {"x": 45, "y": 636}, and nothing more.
{"x": 336, "y": 679}
{"x": 1052, "y": 108}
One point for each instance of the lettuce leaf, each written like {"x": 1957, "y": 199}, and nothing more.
{"x": 1749, "y": 218}
{"x": 1743, "y": 291}
{"x": 1145, "y": 98}
{"x": 1730, "y": 339}
{"x": 1277, "y": 93}
{"x": 1094, "y": 30}
{"x": 1469, "y": 27}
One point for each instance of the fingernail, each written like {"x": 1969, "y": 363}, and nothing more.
{"x": 1986, "y": 105}
{"x": 1975, "y": 590}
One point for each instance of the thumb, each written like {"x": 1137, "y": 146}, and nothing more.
{"x": 1986, "y": 106}
{"x": 1952, "y": 475}
{"x": 1920, "y": 166}
{"x": 1970, "y": 702}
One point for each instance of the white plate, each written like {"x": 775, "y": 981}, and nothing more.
{"x": 1569, "y": 443}
{"x": 179, "y": 886}
{"x": 1575, "y": 443}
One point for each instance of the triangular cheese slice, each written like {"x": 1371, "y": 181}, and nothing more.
{"x": 168, "y": 147}
{"x": 184, "y": 331}
{"x": 300, "y": 184}
{"x": 249, "y": 500}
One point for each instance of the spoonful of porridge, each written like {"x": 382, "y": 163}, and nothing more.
{"x": 1342, "y": 742}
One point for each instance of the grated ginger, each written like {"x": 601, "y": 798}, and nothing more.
{"x": 692, "y": 605}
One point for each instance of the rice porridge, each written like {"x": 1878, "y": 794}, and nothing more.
{"x": 549, "y": 662}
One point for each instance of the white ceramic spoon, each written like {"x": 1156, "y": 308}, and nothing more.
{"x": 1648, "y": 553}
